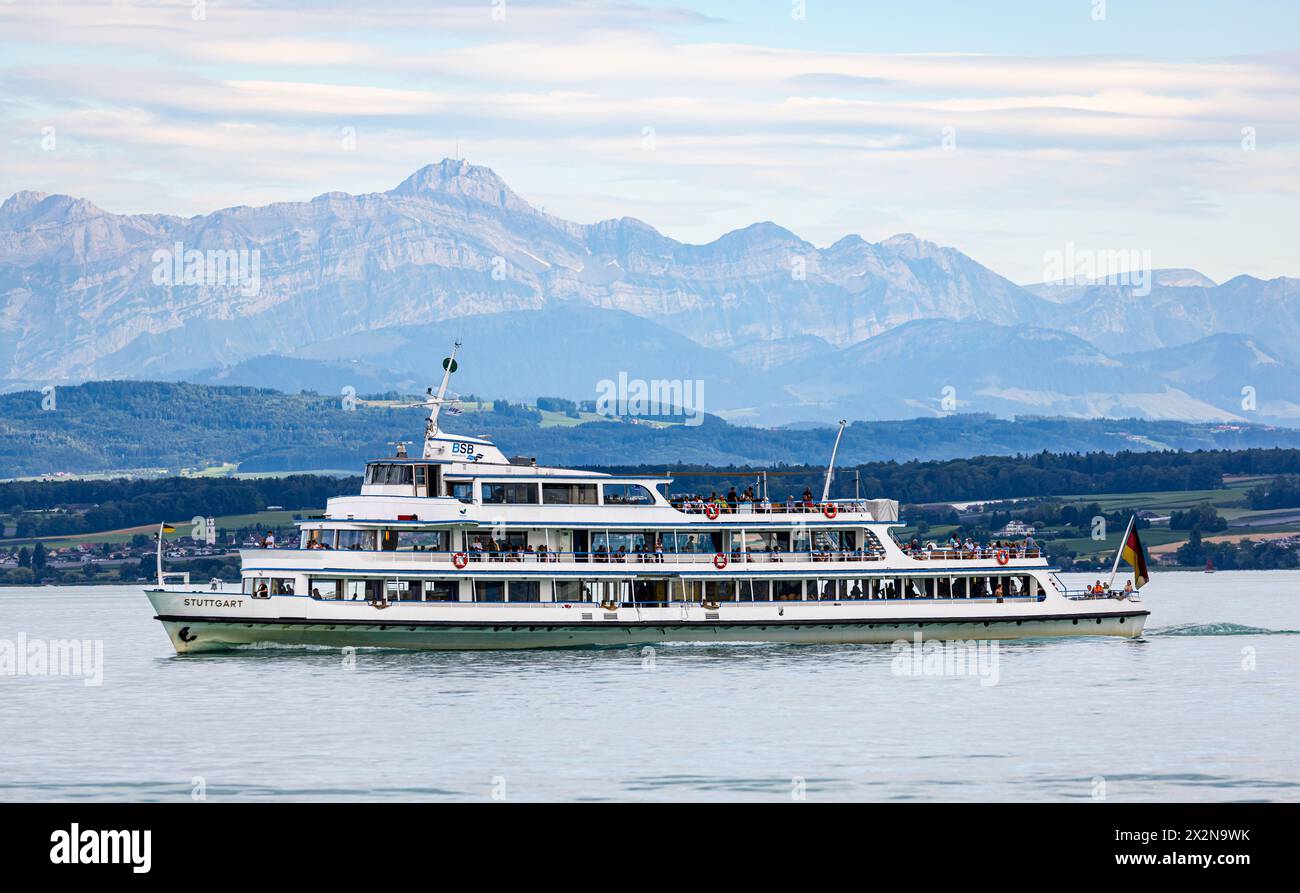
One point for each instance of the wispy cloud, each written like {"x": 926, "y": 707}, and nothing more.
{"x": 694, "y": 121}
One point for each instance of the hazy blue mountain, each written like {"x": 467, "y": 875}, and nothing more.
{"x": 370, "y": 289}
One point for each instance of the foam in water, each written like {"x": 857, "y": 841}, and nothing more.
{"x": 1219, "y": 629}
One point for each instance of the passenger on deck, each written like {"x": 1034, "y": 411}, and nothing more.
{"x": 807, "y": 498}
{"x": 732, "y": 500}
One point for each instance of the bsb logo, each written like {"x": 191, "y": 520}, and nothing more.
{"x": 465, "y": 450}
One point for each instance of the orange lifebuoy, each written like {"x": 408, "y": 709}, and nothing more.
{"x": 460, "y": 559}
{"x": 719, "y": 561}
{"x": 830, "y": 510}
{"x": 711, "y": 512}
{"x": 1003, "y": 556}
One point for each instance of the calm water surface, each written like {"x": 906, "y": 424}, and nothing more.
{"x": 1204, "y": 707}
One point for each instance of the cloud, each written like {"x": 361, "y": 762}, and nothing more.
{"x": 607, "y": 109}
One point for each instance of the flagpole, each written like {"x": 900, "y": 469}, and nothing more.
{"x": 1120, "y": 551}
{"x": 160, "y": 541}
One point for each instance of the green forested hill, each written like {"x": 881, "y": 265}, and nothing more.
{"x": 137, "y": 426}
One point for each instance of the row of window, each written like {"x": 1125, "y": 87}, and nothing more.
{"x": 654, "y": 591}
{"x": 602, "y": 542}
{"x": 532, "y": 493}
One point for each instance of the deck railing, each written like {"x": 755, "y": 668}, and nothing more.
{"x": 836, "y": 506}
{"x": 978, "y": 553}
{"x": 474, "y": 557}
{"x": 726, "y": 557}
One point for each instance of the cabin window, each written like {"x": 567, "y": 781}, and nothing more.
{"x": 462, "y": 490}
{"x": 358, "y": 539}
{"x": 569, "y": 494}
{"x": 363, "y": 590}
{"x": 441, "y": 591}
{"x": 525, "y": 591}
{"x": 282, "y": 586}
{"x": 317, "y": 539}
{"x": 572, "y": 591}
{"x": 404, "y": 590}
{"x": 423, "y": 541}
{"x": 329, "y": 590}
{"x": 770, "y": 542}
{"x": 509, "y": 494}
{"x": 496, "y": 548}
{"x": 627, "y": 494}
{"x": 787, "y": 590}
{"x": 490, "y": 591}
{"x": 694, "y": 543}
{"x": 258, "y": 587}
{"x": 719, "y": 591}
{"x": 756, "y": 590}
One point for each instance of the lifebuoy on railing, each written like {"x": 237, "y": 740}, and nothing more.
{"x": 830, "y": 510}
{"x": 720, "y": 561}
{"x": 1003, "y": 556}
{"x": 460, "y": 559}
{"x": 711, "y": 512}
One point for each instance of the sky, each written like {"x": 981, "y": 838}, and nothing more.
{"x": 1013, "y": 131}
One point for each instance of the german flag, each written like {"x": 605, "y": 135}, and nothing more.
{"x": 167, "y": 528}
{"x": 1131, "y": 552}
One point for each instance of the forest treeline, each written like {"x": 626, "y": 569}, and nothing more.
{"x": 114, "y": 504}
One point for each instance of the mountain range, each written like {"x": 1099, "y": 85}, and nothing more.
{"x": 368, "y": 291}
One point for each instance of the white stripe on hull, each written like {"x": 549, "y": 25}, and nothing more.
{"x": 190, "y": 636}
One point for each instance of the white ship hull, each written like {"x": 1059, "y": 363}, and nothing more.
{"x": 199, "y": 621}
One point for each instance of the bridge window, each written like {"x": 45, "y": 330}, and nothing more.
{"x": 384, "y": 473}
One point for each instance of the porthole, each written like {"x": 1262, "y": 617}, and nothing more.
{"x": 1076, "y": 621}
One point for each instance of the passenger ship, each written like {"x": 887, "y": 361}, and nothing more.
{"x": 463, "y": 548}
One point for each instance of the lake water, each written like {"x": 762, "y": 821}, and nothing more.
{"x": 1203, "y": 707}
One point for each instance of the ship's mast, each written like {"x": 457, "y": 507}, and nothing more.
{"x": 435, "y": 403}
{"x": 830, "y": 469}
